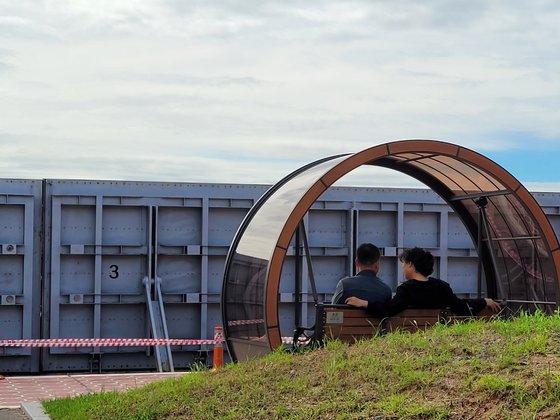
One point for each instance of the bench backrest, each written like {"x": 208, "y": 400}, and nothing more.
{"x": 349, "y": 324}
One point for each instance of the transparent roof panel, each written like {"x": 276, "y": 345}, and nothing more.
{"x": 245, "y": 285}
{"x": 245, "y": 289}
{"x": 261, "y": 235}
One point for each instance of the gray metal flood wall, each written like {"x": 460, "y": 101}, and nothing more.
{"x": 20, "y": 273}
{"x": 99, "y": 240}
{"x": 104, "y": 238}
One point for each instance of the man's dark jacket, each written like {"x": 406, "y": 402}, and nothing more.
{"x": 365, "y": 285}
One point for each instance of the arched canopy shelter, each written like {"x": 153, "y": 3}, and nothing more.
{"x": 518, "y": 249}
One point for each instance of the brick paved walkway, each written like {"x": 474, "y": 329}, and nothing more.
{"x": 15, "y": 390}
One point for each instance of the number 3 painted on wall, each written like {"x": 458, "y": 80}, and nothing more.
{"x": 114, "y": 271}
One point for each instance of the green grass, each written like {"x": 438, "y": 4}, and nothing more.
{"x": 500, "y": 369}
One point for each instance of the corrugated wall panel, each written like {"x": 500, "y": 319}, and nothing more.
{"x": 20, "y": 274}
{"x": 379, "y": 227}
{"x": 421, "y": 229}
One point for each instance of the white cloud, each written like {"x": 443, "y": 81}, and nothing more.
{"x": 204, "y": 89}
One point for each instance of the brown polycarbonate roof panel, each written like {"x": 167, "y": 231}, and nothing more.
{"x": 447, "y": 175}
{"x": 506, "y": 218}
{"x": 426, "y": 163}
{"x": 471, "y": 209}
{"x": 519, "y": 250}
{"x": 489, "y": 167}
{"x": 521, "y": 217}
{"x": 411, "y": 156}
{"x": 547, "y": 268}
{"x": 511, "y": 278}
{"x": 506, "y": 253}
{"x": 537, "y": 215}
{"x": 483, "y": 180}
{"x": 426, "y": 146}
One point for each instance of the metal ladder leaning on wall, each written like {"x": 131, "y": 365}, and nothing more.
{"x": 154, "y": 300}
{"x": 158, "y": 323}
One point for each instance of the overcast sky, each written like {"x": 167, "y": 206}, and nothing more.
{"x": 247, "y": 91}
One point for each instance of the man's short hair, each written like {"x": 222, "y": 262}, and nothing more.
{"x": 368, "y": 254}
{"x": 422, "y": 260}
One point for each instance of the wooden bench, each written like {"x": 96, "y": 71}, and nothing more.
{"x": 348, "y": 323}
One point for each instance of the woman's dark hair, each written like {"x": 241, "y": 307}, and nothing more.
{"x": 423, "y": 261}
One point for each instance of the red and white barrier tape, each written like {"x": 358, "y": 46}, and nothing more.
{"x": 245, "y": 322}
{"x": 116, "y": 342}
{"x": 107, "y": 342}
{"x": 290, "y": 340}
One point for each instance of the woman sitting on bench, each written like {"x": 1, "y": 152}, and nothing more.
{"x": 423, "y": 292}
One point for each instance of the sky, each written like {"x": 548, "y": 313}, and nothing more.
{"x": 247, "y": 91}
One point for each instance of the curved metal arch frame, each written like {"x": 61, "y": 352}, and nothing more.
{"x": 382, "y": 155}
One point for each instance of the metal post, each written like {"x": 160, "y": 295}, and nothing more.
{"x": 479, "y": 252}
{"x": 309, "y": 264}
{"x": 481, "y": 203}
{"x": 298, "y": 277}
{"x": 354, "y": 241}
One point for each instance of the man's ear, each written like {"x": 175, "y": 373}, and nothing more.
{"x": 357, "y": 263}
{"x": 377, "y": 265}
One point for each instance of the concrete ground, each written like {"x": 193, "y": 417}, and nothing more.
{"x": 12, "y": 414}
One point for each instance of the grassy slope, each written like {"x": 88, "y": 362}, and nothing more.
{"x": 502, "y": 369}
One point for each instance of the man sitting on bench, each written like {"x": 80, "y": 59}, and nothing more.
{"x": 365, "y": 285}
{"x": 422, "y": 292}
